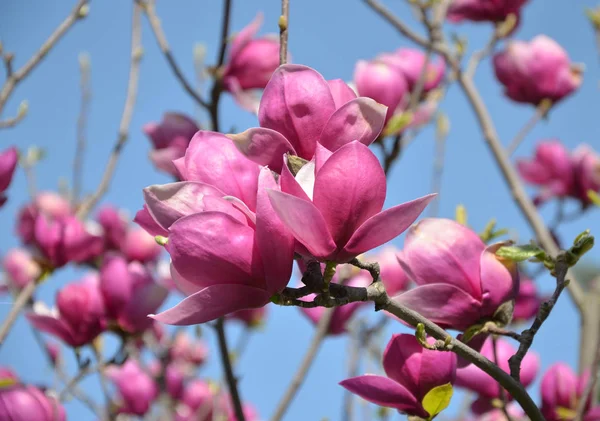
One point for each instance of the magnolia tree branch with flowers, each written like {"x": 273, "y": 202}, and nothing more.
{"x": 291, "y": 212}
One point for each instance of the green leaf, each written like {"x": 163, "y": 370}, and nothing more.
{"x": 521, "y": 253}
{"x": 398, "y": 123}
{"x": 437, "y": 399}
{"x": 594, "y": 197}
{"x": 7, "y": 382}
{"x": 461, "y": 215}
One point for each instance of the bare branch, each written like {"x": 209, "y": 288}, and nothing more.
{"x": 132, "y": 86}
{"x": 148, "y": 7}
{"x": 224, "y": 32}
{"x": 540, "y": 112}
{"x": 78, "y": 12}
{"x": 228, "y": 369}
{"x": 502, "y": 391}
{"x": 86, "y": 95}
{"x": 284, "y": 21}
{"x": 22, "y": 299}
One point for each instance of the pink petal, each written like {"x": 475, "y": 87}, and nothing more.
{"x": 275, "y": 242}
{"x": 349, "y": 189}
{"x": 179, "y": 165}
{"x": 361, "y": 119}
{"x": 169, "y": 202}
{"x": 289, "y": 184}
{"x": 147, "y": 222}
{"x": 53, "y": 326}
{"x": 234, "y": 208}
{"x": 305, "y": 222}
{"x": 210, "y": 248}
{"x": 499, "y": 280}
{"x": 443, "y": 304}
{"x": 385, "y": 226}
{"x": 297, "y": 103}
{"x": 322, "y": 154}
{"x": 213, "y": 302}
{"x": 186, "y": 287}
{"x": 341, "y": 92}
{"x": 244, "y": 36}
{"x": 163, "y": 158}
{"x": 384, "y": 392}
{"x": 263, "y": 146}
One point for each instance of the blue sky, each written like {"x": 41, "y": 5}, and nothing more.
{"x": 330, "y": 37}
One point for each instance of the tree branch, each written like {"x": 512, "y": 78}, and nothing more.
{"x": 86, "y": 95}
{"x": 148, "y": 7}
{"x": 526, "y": 337}
{"x": 502, "y": 391}
{"x": 78, "y": 12}
{"x": 228, "y": 370}
{"x": 123, "y": 134}
{"x": 540, "y": 112}
{"x": 283, "y": 31}
{"x": 307, "y": 361}
{"x": 22, "y": 299}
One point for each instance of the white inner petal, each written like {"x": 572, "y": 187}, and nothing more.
{"x": 306, "y": 178}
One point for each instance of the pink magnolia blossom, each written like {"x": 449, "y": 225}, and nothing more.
{"x": 8, "y": 163}
{"x": 382, "y": 82}
{"x": 561, "y": 392}
{"x": 527, "y": 301}
{"x": 64, "y": 240}
{"x": 213, "y": 159}
{"x": 174, "y": 379}
{"x": 300, "y": 109}
{"x": 560, "y": 173}
{"x": 535, "y": 71}
{"x": 393, "y": 276}
{"x": 140, "y": 246}
{"x": 170, "y": 139}
{"x": 188, "y": 350}
{"x": 20, "y": 268}
{"x": 586, "y": 163}
{"x": 410, "y": 62}
{"x": 197, "y": 402}
{"x": 486, "y": 10}
{"x": 47, "y": 203}
{"x": 343, "y": 314}
{"x": 251, "y": 317}
{"x": 80, "y": 316}
{"x": 460, "y": 280}
{"x": 114, "y": 226}
{"x": 251, "y": 63}
{"x": 130, "y": 293}
{"x": 333, "y": 207}
{"x": 136, "y": 389}
{"x": 224, "y": 256}
{"x": 412, "y": 371}
{"x": 19, "y": 402}
{"x": 474, "y": 379}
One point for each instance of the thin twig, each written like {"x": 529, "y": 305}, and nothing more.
{"x": 527, "y": 335}
{"x": 478, "y": 56}
{"x": 284, "y": 21}
{"x": 501, "y": 389}
{"x": 224, "y": 32}
{"x": 22, "y": 299}
{"x": 148, "y": 7}
{"x": 540, "y": 112}
{"x": 86, "y": 95}
{"x": 242, "y": 343}
{"x": 438, "y": 172}
{"x": 228, "y": 370}
{"x": 132, "y": 87}
{"x": 12, "y": 121}
{"x": 307, "y": 361}
{"x": 78, "y": 12}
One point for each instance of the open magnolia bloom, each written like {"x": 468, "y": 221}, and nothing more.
{"x": 224, "y": 256}
{"x": 460, "y": 281}
{"x": 419, "y": 381}
{"x": 300, "y": 109}
{"x": 333, "y": 206}
{"x": 482, "y": 11}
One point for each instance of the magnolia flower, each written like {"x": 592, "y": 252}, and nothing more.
{"x": 140, "y": 246}
{"x": 392, "y": 275}
{"x": 114, "y": 227}
{"x": 536, "y": 71}
{"x": 460, "y": 280}
{"x": 80, "y": 316}
{"x": 188, "y": 350}
{"x": 50, "y": 204}
{"x": 251, "y": 63}
{"x": 527, "y": 301}
{"x": 8, "y": 163}
{"x": 19, "y": 402}
{"x": 170, "y": 139}
{"x": 488, "y": 10}
{"x": 20, "y": 268}
{"x": 333, "y": 206}
{"x": 224, "y": 256}
{"x": 130, "y": 293}
{"x": 476, "y": 380}
{"x": 299, "y": 109}
{"x": 561, "y": 392}
{"x": 560, "y": 173}
{"x": 414, "y": 374}
{"x": 136, "y": 389}
{"x": 410, "y": 62}
{"x": 197, "y": 402}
